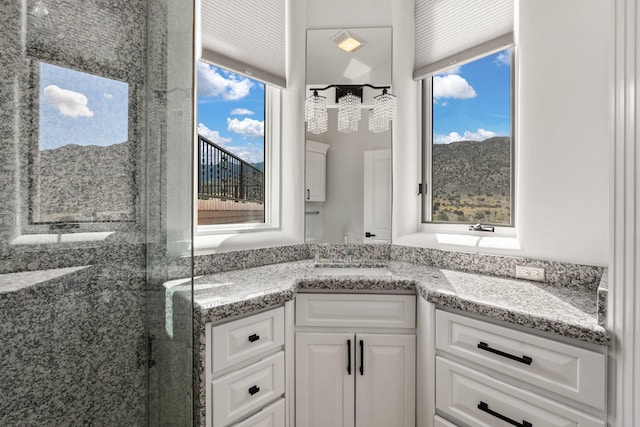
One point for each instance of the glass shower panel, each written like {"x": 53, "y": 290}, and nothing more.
{"x": 95, "y": 212}
{"x": 170, "y": 211}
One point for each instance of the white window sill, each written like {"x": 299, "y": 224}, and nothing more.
{"x": 61, "y": 238}
{"x": 233, "y": 241}
{"x": 503, "y": 243}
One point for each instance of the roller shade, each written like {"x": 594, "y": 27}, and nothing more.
{"x": 246, "y": 36}
{"x": 452, "y": 32}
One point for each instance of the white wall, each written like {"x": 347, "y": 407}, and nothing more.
{"x": 564, "y": 129}
{"x": 563, "y": 133}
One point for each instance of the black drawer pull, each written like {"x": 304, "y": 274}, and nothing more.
{"x": 254, "y": 337}
{"x": 349, "y": 357}
{"x": 361, "y": 357}
{"x": 524, "y": 359}
{"x": 485, "y": 408}
{"x": 253, "y": 390}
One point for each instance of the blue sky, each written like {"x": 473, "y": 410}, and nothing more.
{"x": 80, "y": 108}
{"x": 472, "y": 102}
{"x": 231, "y": 111}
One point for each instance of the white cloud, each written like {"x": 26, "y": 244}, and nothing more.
{"x": 212, "y": 135}
{"x": 479, "y": 135}
{"x": 246, "y": 127}
{"x": 452, "y": 86}
{"x": 241, "y": 112}
{"x": 211, "y": 83}
{"x": 248, "y": 153}
{"x": 107, "y": 95}
{"x": 67, "y": 102}
{"x": 503, "y": 58}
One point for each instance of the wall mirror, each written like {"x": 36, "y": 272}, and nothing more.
{"x": 348, "y": 175}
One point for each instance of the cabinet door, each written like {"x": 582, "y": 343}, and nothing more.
{"x": 315, "y": 176}
{"x": 324, "y": 387}
{"x": 385, "y": 380}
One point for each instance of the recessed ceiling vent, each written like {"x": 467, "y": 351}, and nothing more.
{"x": 346, "y": 41}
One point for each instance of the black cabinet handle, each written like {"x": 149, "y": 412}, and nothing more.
{"x": 308, "y": 194}
{"x": 524, "y": 359}
{"x": 485, "y": 408}
{"x": 361, "y": 357}
{"x": 253, "y": 390}
{"x": 367, "y": 234}
{"x": 254, "y": 337}
{"x": 349, "y": 357}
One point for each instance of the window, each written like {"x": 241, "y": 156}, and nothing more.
{"x": 237, "y": 119}
{"x": 468, "y": 143}
{"x": 82, "y": 170}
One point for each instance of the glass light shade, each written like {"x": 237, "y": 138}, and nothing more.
{"x": 375, "y": 124}
{"x": 384, "y": 110}
{"x": 349, "y": 113}
{"x": 315, "y": 114}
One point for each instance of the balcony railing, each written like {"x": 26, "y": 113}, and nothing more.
{"x": 223, "y": 175}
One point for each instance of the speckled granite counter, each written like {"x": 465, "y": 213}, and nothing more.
{"x": 568, "y": 311}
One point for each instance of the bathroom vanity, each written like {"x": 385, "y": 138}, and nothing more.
{"x": 280, "y": 345}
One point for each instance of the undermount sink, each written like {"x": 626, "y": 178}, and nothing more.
{"x": 351, "y": 271}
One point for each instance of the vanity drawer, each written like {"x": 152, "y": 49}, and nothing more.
{"x": 441, "y": 422}
{"x": 479, "y": 400}
{"x": 242, "y": 339}
{"x": 356, "y": 310}
{"x": 237, "y": 394}
{"x": 271, "y": 416}
{"x": 564, "y": 369}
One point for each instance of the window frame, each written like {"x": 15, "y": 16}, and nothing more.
{"x": 47, "y": 232}
{"x": 426, "y": 205}
{"x": 272, "y": 168}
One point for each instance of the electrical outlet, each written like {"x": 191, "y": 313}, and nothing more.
{"x": 530, "y": 273}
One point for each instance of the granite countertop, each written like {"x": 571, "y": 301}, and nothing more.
{"x": 566, "y": 311}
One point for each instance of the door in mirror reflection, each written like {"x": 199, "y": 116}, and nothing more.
{"x": 377, "y": 196}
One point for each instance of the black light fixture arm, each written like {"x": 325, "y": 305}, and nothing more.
{"x": 361, "y": 85}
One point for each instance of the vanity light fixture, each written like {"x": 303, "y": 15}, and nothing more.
{"x": 346, "y": 41}
{"x": 349, "y": 99}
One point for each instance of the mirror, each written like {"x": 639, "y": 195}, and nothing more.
{"x": 348, "y": 176}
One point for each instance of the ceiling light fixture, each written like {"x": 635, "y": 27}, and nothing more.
{"x": 349, "y": 99}
{"x": 346, "y": 41}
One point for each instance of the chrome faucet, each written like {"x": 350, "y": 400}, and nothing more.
{"x": 349, "y": 254}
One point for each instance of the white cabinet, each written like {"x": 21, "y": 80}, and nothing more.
{"x": 488, "y": 375}
{"x": 324, "y": 382}
{"x": 385, "y": 380}
{"x": 360, "y": 376}
{"x": 315, "y": 171}
{"x": 560, "y": 368}
{"x": 362, "y": 380}
{"x": 245, "y": 371}
{"x": 479, "y": 400}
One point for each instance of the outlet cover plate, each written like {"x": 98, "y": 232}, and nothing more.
{"x": 530, "y": 273}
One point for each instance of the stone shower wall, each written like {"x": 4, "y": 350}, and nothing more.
{"x": 72, "y": 306}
